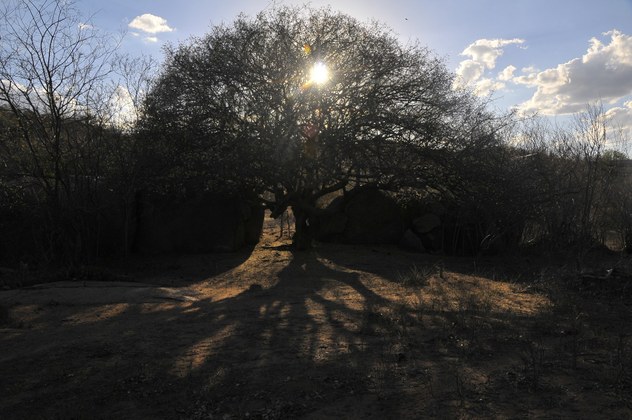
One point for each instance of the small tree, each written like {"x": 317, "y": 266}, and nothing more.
{"x": 301, "y": 103}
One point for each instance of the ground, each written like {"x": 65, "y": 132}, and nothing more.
{"x": 336, "y": 332}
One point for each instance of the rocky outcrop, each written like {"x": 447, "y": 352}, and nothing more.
{"x": 444, "y": 226}
{"x": 412, "y": 242}
{"x": 362, "y": 216}
{"x": 426, "y": 223}
{"x": 370, "y": 216}
{"x": 205, "y": 223}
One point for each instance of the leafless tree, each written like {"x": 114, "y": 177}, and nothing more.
{"x": 132, "y": 80}
{"x": 577, "y": 187}
{"x": 242, "y": 104}
{"x": 52, "y": 65}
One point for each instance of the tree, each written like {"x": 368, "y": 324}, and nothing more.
{"x": 573, "y": 188}
{"x": 52, "y": 65}
{"x": 298, "y": 103}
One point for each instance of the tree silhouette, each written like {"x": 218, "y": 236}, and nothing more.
{"x": 298, "y": 103}
{"x": 53, "y": 66}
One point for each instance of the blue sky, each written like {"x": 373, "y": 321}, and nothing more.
{"x": 552, "y": 56}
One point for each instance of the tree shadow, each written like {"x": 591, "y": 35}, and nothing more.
{"x": 318, "y": 340}
{"x": 288, "y": 348}
{"x": 294, "y": 337}
{"x": 176, "y": 269}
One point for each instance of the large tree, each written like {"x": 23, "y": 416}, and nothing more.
{"x": 300, "y": 103}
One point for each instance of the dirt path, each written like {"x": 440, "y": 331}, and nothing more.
{"x": 331, "y": 333}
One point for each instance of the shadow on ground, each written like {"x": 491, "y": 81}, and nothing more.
{"x": 287, "y": 335}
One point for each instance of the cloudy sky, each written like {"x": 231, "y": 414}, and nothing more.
{"x": 549, "y": 56}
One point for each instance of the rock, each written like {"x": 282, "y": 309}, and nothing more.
{"x": 253, "y": 224}
{"x": 412, "y": 242}
{"x": 433, "y": 241}
{"x": 426, "y": 223}
{"x": 205, "y": 223}
{"x": 330, "y": 227}
{"x": 373, "y": 218}
{"x": 435, "y": 207}
{"x": 364, "y": 215}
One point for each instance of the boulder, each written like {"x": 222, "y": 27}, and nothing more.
{"x": 426, "y": 223}
{"x": 373, "y": 217}
{"x": 330, "y": 227}
{"x": 361, "y": 216}
{"x": 411, "y": 242}
{"x": 433, "y": 241}
{"x": 253, "y": 224}
{"x": 200, "y": 224}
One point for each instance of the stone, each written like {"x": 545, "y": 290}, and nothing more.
{"x": 426, "y": 223}
{"x": 201, "y": 224}
{"x": 329, "y": 227}
{"x": 373, "y": 218}
{"x": 411, "y": 242}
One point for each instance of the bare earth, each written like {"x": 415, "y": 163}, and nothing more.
{"x": 337, "y": 332}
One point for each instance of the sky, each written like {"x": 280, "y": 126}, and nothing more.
{"x": 553, "y": 57}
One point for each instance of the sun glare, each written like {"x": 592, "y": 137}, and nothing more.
{"x": 319, "y": 74}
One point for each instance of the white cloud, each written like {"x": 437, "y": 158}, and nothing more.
{"x": 529, "y": 77}
{"x": 487, "y": 51}
{"x": 507, "y": 73}
{"x": 122, "y": 108}
{"x": 85, "y": 26}
{"x": 469, "y": 71}
{"x": 151, "y": 39}
{"x": 487, "y": 86}
{"x": 150, "y": 24}
{"x": 603, "y": 73}
{"x": 621, "y": 118}
{"x": 33, "y": 96}
{"x": 483, "y": 55}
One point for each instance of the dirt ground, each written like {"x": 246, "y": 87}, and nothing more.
{"x": 337, "y": 332}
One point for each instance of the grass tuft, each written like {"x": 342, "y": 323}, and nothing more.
{"x": 416, "y": 276}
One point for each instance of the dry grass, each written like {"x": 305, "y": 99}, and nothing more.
{"x": 340, "y": 331}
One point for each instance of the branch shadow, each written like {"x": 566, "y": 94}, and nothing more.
{"x": 281, "y": 350}
{"x": 317, "y": 339}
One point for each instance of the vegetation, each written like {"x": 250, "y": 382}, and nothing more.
{"x": 336, "y": 332}
{"x": 246, "y": 106}
{"x": 283, "y": 109}
{"x": 299, "y": 110}
{"x": 67, "y": 163}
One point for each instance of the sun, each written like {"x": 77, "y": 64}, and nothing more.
{"x": 319, "y": 73}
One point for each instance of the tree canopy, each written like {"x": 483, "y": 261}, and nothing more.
{"x": 282, "y": 108}
{"x": 300, "y": 102}
{"x": 286, "y": 107}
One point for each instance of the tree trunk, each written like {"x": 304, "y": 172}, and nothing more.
{"x": 302, "y": 232}
{"x": 627, "y": 241}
